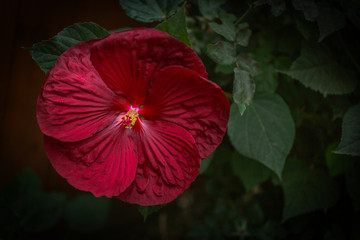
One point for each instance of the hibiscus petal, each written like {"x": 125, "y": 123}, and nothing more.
{"x": 168, "y": 164}
{"x": 127, "y": 60}
{"x": 181, "y": 96}
{"x": 104, "y": 164}
{"x": 74, "y": 102}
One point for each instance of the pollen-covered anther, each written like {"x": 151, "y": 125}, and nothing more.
{"x": 130, "y": 118}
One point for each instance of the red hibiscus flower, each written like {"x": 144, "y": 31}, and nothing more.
{"x": 131, "y": 116}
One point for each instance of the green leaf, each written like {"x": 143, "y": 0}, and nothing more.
{"x": 87, "y": 213}
{"x": 308, "y": 7}
{"x": 350, "y": 136}
{"x": 150, "y": 10}
{"x": 267, "y": 42}
{"x": 226, "y": 69}
{"x": 210, "y": 8}
{"x": 243, "y": 89}
{"x": 243, "y": 35}
{"x": 335, "y": 163}
{"x": 176, "y": 26}
{"x": 315, "y": 69}
{"x": 45, "y": 53}
{"x": 265, "y": 132}
{"x": 145, "y": 211}
{"x": 266, "y": 80}
{"x": 227, "y": 28}
{"x": 222, "y": 53}
{"x": 246, "y": 63}
{"x": 282, "y": 63}
{"x": 329, "y": 20}
{"x": 353, "y": 180}
{"x": 205, "y": 163}
{"x": 251, "y": 172}
{"x": 306, "y": 189}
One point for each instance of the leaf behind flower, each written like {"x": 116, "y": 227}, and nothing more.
{"x": 46, "y": 53}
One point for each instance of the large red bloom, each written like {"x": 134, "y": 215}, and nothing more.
{"x": 131, "y": 116}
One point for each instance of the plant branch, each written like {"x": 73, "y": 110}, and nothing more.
{"x": 244, "y": 15}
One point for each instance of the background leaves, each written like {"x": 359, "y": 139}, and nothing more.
{"x": 46, "y": 53}
{"x": 176, "y": 26}
{"x": 329, "y": 20}
{"x": 307, "y": 190}
{"x": 350, "y": 138}
{"x": 243, "y": 89}
{"x": 222, "y": 53}
{"x": 319, "y": 71}
{"x": 265, "y": 132}
{"x": 150, "y": 10}
{"x": 251, "y": 172}
{"x": 210, "y": 8}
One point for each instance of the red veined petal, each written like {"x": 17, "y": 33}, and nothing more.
{"x": 181, "y": 96}
{"x": 74, "y": 102}
{"x": 104, "y": 164}
{"x": 168, "y": 163}
{"x": 127, "y": 60}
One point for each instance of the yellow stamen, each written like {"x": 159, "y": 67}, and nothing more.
{"x": 130, "y": 118}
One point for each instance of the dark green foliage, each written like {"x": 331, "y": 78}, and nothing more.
{"x": 205, "y": 163}
{"x": 251, "y": 172}
{"x": 176, "y": 26}
{"x": 329, "y": 20}
{"x": 336, "y": 163}
{"x": 350, "y": 138}
{"x": 308, "y": 7}
{"x": 308, "y": 41}
{"x": 222, "y": 53}
{"x": 265, "y": 132}
{"x": 227, "y": 28}
{"x": 46, "y": 53}
{"x": 150, "y": 10}
{"x": 210, "y": 8}
{"x": 319, "y": 71}
{"x": 243, "y": 89}
{"x": 307, "y": 189}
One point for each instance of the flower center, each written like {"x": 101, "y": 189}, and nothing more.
{"x": 130, "y": 118}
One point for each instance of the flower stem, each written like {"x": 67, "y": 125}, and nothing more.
{"x": 244, "y": 15}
